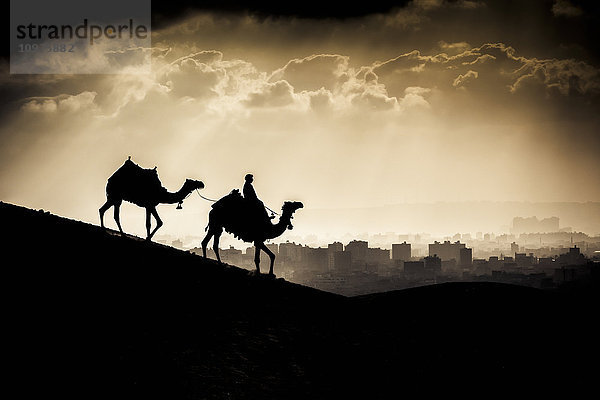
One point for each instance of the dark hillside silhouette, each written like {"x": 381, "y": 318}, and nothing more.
{"x": 90, "y": 313}
{"x": 142, "y": 187}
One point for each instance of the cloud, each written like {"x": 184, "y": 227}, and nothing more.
{"x": 457, "y": 47}
{"x": 62, "y": 103}
{"x": 499, "y": 68}
{"x": 321, "y": 100}
{"x": 436, "y": 4}
{"x": 414, "y": 96}
{"x": 565, "y": 77}
{"x": 462, "y": 79}
{"x": 193, "y": 78}
{"x": 331, "y": 82}
{"x": 373, "y": 98}
{"x": 277, "y": 94}
{"x": 563, "y": 8}
{"x": 480, "y": 60}
{"x": 314, "y": 72}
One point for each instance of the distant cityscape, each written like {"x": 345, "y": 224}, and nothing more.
{"x": 382, "y": 262}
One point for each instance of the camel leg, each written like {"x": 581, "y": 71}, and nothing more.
{"x": 159, "y": 223}
{"x": 257, "y": 256}
{"x": 205, "y": 241}
{"x": 209, "y": 235}
{"x": 217, "y": 236}
{"x": 148, "y": 223}
{"x": 117, "y": 216}
{"x": 264, "y": 248}
{"x": 102, "y": 210}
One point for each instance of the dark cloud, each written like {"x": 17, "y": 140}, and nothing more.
{"x": 164, "y": 12}
{"x": 564, "y": 8}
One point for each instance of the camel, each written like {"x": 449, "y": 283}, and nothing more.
{"x": 143, "y": 188}
{"x": 233, "y": 214}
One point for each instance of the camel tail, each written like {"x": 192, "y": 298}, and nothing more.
{"x": 205, "y": 229}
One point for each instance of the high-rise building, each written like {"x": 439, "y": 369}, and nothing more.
{"x": 378, "y": 256}
{"x": 466, "y": 257}
{"x": 335, "y": 246}
{"x": 524, "y": 260}
{"x": 342, "y": 261}
{"x": 358, "y": 249}
{"x": 332, "y": 248}
{"x": 533, "y": 225}
{"x": 514, "y": 247}
{"x": 292, "y": 252}
{"x": 401, "y": 251}
{"x": 318, "y": 259}
{"x": 447, "y": 250}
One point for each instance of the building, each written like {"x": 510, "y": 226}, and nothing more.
{"x": 433, "y": 265}
{"x": 514, "y": 248}
{"x": 358, "y": 249}
{"x": 449, "y": 265}
{"x": 342, "y": 261}
{"x": 524, "y": 260}
{"x": 401, "y": 251}
{"x": 481, "y": 267}
{"x": 335, "y": 246}
{"x": 332, "y": 248}
{"x": 494, "y": 263}
{"x": 318, "y": 259}
{"x": 573, "y": 257}
{"x": 378, "y": 256}
{"x": 414, "y": 269}
{"x": 465, "y": 257}
{"x": 533, "y": 225}
{"x": 545, "y": 261}
{"x": 446, "y": 251}
{"x": 274, "y": 247}
{"x": 231, "y": 255}
{"x": 292, "y": 252}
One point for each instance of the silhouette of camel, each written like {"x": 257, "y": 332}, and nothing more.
{"x": 143, "y": 188}
{"x": 236, "y": 216}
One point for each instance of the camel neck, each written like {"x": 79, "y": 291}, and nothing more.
{"x": 279, "y": 228}
{"x": 175, "y": 197}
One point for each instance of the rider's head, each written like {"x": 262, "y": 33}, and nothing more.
{"x": 249, "y": 178}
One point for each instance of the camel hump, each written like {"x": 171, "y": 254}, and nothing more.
{"x": 134, "y": 182}
{"x": 233, "y": 200}
{"x": 132, "y": 171}
{"x": 241, "y": 217}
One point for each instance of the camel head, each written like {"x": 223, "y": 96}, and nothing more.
{"x": 193, "y": 184}
{"x": 188, "y": 187}
{"x": 288, "y": 209}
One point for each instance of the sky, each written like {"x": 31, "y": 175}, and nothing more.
{"x": 341, "y": 107}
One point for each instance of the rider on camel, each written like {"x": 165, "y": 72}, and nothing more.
{"x": 252, "y": 199}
